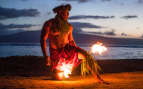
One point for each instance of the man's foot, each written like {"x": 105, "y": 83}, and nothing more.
{"x": 103, "y": 82}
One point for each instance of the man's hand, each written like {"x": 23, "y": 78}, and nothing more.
{"x": 48, "y": 61}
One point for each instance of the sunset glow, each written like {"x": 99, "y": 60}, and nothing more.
{"x": 115, "y": 18}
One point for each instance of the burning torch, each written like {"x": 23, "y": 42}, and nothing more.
{"x": 98, "y": 48}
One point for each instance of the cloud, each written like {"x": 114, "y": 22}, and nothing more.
{"x": 80, "y": 1}
{"x": 79, "y": 25}
{"x": 97, "y": 33}
{"x": 106, "y": 0}
{"x": 8, "y": 13}
{"x": 109, "y": 33}
{"x": 90, "y": 17}
{"x": 129, "y": 17}
{"x": 9, "y": 32}
{"x": 142, "y": 36}
{"x": 124, "y": 34}
{"x": 83, "y": 1}
{"x": 84, "y": 25}
{"x": 140, "y": 1}
{"x": 11, "y": 26}
{"x": 112, "y": 33}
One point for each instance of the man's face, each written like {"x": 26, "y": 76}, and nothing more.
{"x": 64, "y": 14}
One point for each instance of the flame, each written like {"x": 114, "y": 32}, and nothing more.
{"x": 65, "y": 67}
{"x": 98, "y": 48}
{"x": 64, "y": 70}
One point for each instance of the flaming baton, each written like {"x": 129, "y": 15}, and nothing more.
{"x": 98, "y": 48}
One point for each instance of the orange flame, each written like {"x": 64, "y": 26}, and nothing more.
{"x": 64, "y": 70}
{"x": 65, "y": 67}
{"x": 98, "y": 48}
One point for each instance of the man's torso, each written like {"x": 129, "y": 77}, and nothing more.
{"x": 58, "y": 37}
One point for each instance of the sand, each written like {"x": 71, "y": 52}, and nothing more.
{"x": 29, "y": 72}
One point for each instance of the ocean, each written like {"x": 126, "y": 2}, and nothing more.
{"x": 120, "y": 52}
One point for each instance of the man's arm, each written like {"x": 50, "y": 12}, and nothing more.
{"x": 71, "y": 39}
{"x": 44, "y": 37}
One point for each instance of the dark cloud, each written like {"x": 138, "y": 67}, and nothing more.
{"x": 106, "y": 0}
{"x": 112, "y": 33}
{"x": 89, "y": 17}
{"x": 11, "y": 26}
{"x": 79, "y": 25}
{"x": 84, "y": 25}
{"x": 9, "y": 32}
{"x": 7, "y": 13}
{"x": 140, "y": 1}
{"x": 124, "y": 34}
{"x": 129, "y": 17}
{"x": 80, "y": 1}
{"x": 141, "y": 36}
{"x": 97, "y": 33}
{"x": 83, "y": 1}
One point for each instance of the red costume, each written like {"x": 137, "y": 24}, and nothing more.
{"x": 67, "y": 53}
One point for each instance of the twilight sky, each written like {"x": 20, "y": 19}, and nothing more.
{"x": 121, "y": 18}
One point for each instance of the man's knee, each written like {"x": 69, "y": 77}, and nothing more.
{"x": 81, "y": 56}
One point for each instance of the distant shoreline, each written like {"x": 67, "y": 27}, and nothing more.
{"x": 80, "y": 45}
{"x": 10, "y": 57}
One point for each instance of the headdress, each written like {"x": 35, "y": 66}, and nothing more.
{"x": 62, "y": 7}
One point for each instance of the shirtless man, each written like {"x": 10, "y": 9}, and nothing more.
{"x": 52, "y": 30}
{"x": 59, "y": 34}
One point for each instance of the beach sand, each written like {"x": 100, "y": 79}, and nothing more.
{"x": 30, "y": 72}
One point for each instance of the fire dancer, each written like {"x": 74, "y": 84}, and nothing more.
{"x": 62, "y": 46}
